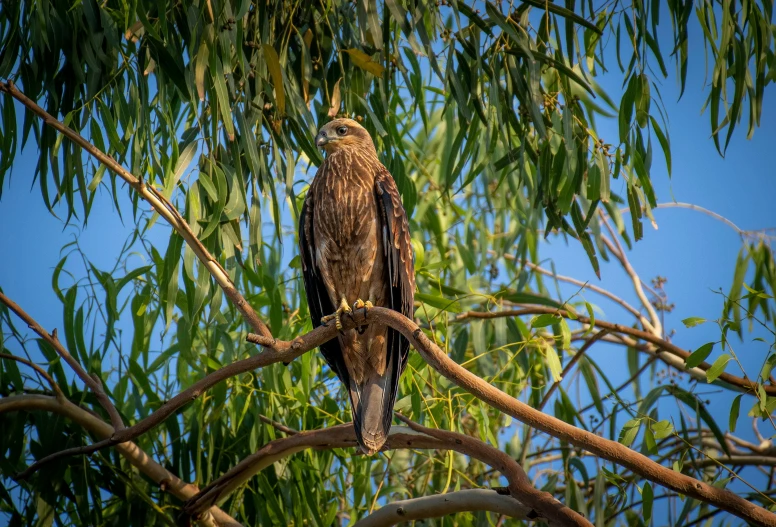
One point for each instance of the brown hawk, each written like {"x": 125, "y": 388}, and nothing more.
{"x": 354, "y": 243}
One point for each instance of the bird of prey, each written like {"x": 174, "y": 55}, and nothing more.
{"x": 356, "y": 253}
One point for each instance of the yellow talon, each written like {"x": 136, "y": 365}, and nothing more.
{"x": 360, "y": 304}
{"x": 344, "y": 308}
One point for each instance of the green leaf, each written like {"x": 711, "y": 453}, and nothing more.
{"x": 273, "y": 65}
{"x": 445, "y": 304}
{"x": 565, "y": 335}
{"x": 735, "y": 408}
{"x": 542, "y": 321}
{"x": 649, "y": 440}
{"x": 699, "y": 355}
{"x": 565, "y": 13}
{"x": 222, "y": 95}
{"x": 647, "y": 498}
{"x": 665, "y": 143}
{"x": 693, "y": 321}
{"x": 553, "y": 363}
{"x": 365, "y": 62}
{"x": 629, "y": 432}
{"x": 643, "y": 100}
{"x": 718, "y": 367}
{"x": 662, "y": 429}
{"x": 770, "y": 362}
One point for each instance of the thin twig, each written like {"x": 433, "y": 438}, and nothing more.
{"x": 95, "y": 385}
{"x": 43, "y": 373}
{"x": 578, "y": 355}
{"x": 160, "y": 204}
{"x": 619, "y": 253}
{"x": 278, "y": 426}
{"x": 600, "y": 290}
{"x": 669, "y": 353}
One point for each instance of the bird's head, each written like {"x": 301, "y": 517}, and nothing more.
{"x": 343, "y": 133}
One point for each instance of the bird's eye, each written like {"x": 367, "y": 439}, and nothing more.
{"x": 342, "y": 130}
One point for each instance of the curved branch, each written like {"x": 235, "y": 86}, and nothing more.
{"x": 604, "y": 448}
{"x": 275, "y": 351}
{"x": 600, "y": 290}
{"x": 95, "y": 385}
{"x": 470, "y": 500}
{"x": 40, "y": 371}
{"x": 542, "y": 504}
{"x": 160, "y": 204}
{"x": 610, "y": 450}
{"x": 167, "y": 481}
{"x": 619, "y": 253}
{"x": 674, "y": 357}
{"x": 680, "y": 205}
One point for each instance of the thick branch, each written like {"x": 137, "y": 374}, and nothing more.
{"x": 519, "y": 485}
{"x": 167, "y": 481}
{"x": 604, "y": 448}
{"x": 444, "y": 504}
{"x": 95, "y": 385}
{"x": 416, "y": 436}
{"x": 160, "y": 204}
{"x": 275, "y": 351}
{"x": 610, "y": 450}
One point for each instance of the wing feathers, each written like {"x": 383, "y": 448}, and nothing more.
{"x": 400, "y": 276}
{"x": 318, "y": 301}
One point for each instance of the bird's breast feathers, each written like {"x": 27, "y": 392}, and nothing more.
{"x": 346, "y": 212}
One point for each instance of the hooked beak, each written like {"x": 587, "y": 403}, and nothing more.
{"x": 321, "y": 140}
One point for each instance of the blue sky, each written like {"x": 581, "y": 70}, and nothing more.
{"x": 695, "y": 252}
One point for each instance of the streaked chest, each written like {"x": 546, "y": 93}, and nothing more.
{"x": 345, "y": 205}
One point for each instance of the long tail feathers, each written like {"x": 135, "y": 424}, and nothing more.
{"x": 372, "y": 407}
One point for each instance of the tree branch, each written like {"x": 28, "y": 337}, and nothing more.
{"x": 416, "y": 436}
{"x": 674, "y": 357}
{"x": 95, "y": 385}
{"x": 160, "y": 204}
{"x": 619, "y": 253}
{"x": 604, "y": 448}
{"x": 43, "y": 373}
{"x": 578, "y": 355}
{"x": 167, "y": 481}
{"x": 443, "y": 504}
{"x": 600, "y": 290}
{"x": 436, "y": 358}
{"x": 275, "y": 351}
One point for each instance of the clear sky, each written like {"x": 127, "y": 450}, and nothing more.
{"x": 695, "y": 252}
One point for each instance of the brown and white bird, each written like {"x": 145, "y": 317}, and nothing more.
{"x": 355, "y": 247}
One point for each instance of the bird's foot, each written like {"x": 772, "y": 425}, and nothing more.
{"x": 360, "y": 304}
{"x": 336, "y": 316}
{"x": 364, "y": 306}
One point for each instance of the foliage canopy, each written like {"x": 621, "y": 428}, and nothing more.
{"x": 486, "y": 116}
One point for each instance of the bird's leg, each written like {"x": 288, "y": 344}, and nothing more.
{"x": 360, "y": 304}
{"x": 343, "y": 308}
